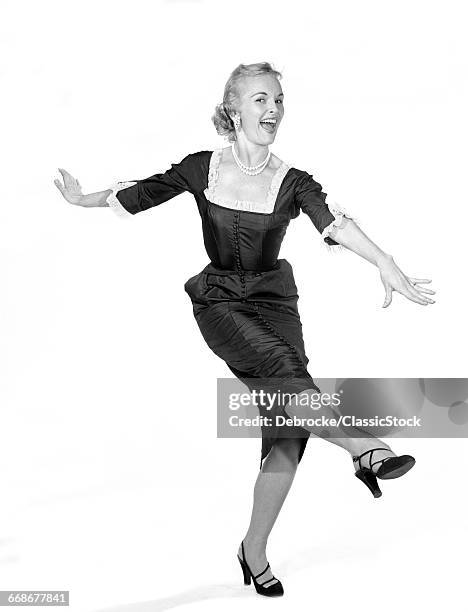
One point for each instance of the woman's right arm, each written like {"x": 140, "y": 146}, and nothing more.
{"x": 126, "y": 198}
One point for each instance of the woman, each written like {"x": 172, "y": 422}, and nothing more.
{"x": 245, "y": 299}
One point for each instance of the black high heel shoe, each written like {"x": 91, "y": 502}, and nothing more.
{"x": 392, "y": 467}
{"x": 274, "y": 590}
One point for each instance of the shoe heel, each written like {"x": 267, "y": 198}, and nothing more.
{"x": 245, "y": 571}
{"x": 370, "y": 480}
{"x": 274, "y": 590}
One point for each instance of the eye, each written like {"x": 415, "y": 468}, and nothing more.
{"x": 280, "y": 101}
{"x": 258, "y": 99}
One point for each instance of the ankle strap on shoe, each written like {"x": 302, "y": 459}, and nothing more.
{"x": 358, "y": 457}
{"x": 261, "y": 573}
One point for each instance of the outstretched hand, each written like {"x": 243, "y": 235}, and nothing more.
{"x": 393, "y": 279}
{"x": 71, "y": 188}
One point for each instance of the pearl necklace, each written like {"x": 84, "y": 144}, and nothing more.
{"x": 250, "y": 170}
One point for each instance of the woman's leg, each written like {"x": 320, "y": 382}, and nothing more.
{"x": 352, "y": 439}
{"x": 271, "y": 488}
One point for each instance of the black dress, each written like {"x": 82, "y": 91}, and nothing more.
{"x": 245, "y": 300}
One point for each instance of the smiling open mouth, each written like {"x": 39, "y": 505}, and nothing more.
{"x": 269, "y": 125}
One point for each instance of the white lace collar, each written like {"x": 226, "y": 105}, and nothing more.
{"x": 248, "y": 205}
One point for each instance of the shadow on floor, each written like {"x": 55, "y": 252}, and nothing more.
{"x": 308, "y": 557}
{"x": 203, "y": 593}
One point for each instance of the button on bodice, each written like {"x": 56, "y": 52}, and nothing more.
{"x": 239, "y": 239}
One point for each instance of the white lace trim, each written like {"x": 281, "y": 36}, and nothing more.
{"x": 114, "y": 203}
{"x": 266, "y": 207}
{"x": 339, "y": 213}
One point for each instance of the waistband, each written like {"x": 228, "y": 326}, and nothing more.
{"x": 281, "y": 264}
{"x": 215, "y": 284}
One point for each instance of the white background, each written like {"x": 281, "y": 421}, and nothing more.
{"x": 114, "y": 485}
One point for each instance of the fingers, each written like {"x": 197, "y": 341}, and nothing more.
{"x": 70, "y": 188}
{"x": 415, "y": 281}
{"x": 411, "y": 293}
{"x": 407, "y": 287}
{"x": 415, "y": 291}
{"x": 421, "y": 290}
{"x": 64, "y": 173}
{"x": 68, "y": 179}
{"x": 424, "y": 290}
{"x": 417, "y": 299}
{"x": 59, "y": 186}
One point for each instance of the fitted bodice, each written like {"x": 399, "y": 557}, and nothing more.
{"x": 240, "y": 235}
{"x": 238, "y": 238}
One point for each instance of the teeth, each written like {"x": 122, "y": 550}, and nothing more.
{"x": 268, "y": 121}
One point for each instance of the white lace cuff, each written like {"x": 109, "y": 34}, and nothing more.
{"x": 114, "y": 203}
{"x": 339, "y": 213}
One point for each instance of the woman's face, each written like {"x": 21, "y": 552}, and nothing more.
{"x": 260, "y": 99}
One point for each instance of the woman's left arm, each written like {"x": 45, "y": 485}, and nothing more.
{"x": 338, "y": 228}
{"x": 350, "y": 236}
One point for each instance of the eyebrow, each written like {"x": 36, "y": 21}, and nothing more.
{"x": 264, "y": 93}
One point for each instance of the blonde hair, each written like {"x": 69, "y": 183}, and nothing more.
{"x": 222, "y": 116}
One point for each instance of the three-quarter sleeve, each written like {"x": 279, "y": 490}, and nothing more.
{"x": 324, "y": 213}
{"x": 130, "y": 197}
